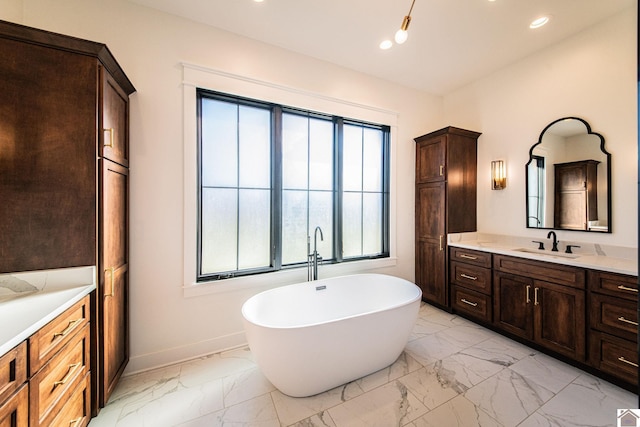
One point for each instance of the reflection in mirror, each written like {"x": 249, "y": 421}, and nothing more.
{"x": 568, "y": 179}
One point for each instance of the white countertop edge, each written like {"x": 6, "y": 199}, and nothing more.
{"x": 593, "y": 262}
{"x": 49, "y": 306}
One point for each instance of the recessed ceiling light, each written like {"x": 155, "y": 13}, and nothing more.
{"x": 258, "y": 1}
{"x": 539, "y": 22}
{"x": 386, "y": 44}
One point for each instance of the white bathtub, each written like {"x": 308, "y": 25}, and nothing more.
{"x": 313, "y": 336}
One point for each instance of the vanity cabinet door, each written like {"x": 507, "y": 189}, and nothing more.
{"x": 430, "y": 160}
{"x": 513, "y": 304}
{"x": 114, "y": 144}
{"x": 113, "y": 289}
{"x": 559, "y": 319}
{"x": 430, "y": 243}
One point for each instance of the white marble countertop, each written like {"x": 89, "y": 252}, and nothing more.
{"x": 23, "y": 313}
{"x": 598, "y": 257}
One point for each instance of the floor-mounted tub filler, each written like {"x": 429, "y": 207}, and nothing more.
{"x": 310, "y": 337}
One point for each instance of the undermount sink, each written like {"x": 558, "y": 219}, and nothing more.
{"x": 548, "y": 253}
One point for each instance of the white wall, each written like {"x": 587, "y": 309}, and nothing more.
{"x": 592, "y": 76}
{"x": 149, "y": 45}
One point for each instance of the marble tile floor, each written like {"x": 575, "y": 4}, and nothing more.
{"x": 452, "y": 373}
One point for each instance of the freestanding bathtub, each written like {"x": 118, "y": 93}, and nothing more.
{"x": 310, "y": 337}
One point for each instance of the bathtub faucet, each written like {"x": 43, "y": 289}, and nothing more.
{"x": 312, "y": 259}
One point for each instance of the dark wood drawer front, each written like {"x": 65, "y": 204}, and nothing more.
{"x": 615, "y": 316}
{"x": 547, "y": 271}
{"x": 13, "y": 370}
{"x": 613, "y": 284}
{"x": 471, "y": 276}
{"x": 615, "y": 356}
{"x": 472, "y": 303}
{"x": 469, "y": 256}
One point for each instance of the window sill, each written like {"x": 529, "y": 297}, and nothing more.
{"x": 283, "y": 277}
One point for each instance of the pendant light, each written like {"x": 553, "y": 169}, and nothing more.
{"x": 401, "y": 34}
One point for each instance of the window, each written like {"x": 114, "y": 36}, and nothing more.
{"x": 269, "y": 174}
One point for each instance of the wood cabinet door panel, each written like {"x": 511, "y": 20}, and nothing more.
{"x": 513, "y": 304}
{"x": 114, "y": 135}
{"x": 560, "y": 319}
{"x": 431, "y": 274}
{"x": 113, "y": 314}
{"x": 430, "y": 211}
{"x": 430, "y": 160}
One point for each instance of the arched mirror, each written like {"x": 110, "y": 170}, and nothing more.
{"x": 568, "y": 179}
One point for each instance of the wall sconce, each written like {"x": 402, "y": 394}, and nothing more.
{"x": 498, "y": 175}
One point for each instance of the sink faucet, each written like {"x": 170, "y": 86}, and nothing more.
{"x": 312, "y": 259}
{"x": 555, "y": 241}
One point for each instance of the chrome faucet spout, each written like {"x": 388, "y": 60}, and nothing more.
{"x": 313, "y": 257}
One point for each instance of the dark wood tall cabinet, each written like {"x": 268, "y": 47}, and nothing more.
{"x": 446, "y": 180}
{"x": 64, "y": 190}
{"x": 576, "y": 194}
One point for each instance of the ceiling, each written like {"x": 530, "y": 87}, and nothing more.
{"x": 451, "y": 42}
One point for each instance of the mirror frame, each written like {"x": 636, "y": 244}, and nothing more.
{"x": 604, "y": 151}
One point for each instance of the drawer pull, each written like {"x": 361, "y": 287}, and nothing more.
{"x": 465, "y": 256}
{"x": 75, "y": 422}
{"x": 628, "y": 362}
{"x": 111, "y": 131}
{"x": 68, "y": 329}
{"x": 466, "y": 276}
{"x": 622, "y": 319}
{"x": 111, "y": 272}
{"x": 626, "y": 288}
{"x": 441, "y": 170}
{"x": 472, "y": 304}
{"x": 70, "y": 372}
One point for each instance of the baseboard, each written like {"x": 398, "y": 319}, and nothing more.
{"x": 171, "y": 356}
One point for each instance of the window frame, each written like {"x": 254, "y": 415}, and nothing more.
{"x": 277, "y": 110}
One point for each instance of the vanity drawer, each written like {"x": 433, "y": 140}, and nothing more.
{"x": 546, "y": 271}
{"x": 613, "y": 284}
{"x": 471, "y": 276}
{"x": 615, "y": 356}
{"x": 13, "y": 370}
{"x": 15, "y": 411}
{"x": 54, "y": 335}
{"x": 51, "y": 387}
{"x": 473, "y": 303}
{"x": 469, "y": 256}
{"x": 615, "y": 316}
{"x": 77, "y": 410}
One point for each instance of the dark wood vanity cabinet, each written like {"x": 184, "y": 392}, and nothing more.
{"x": 613, "y": 324}
{"x": 576, "y": 194}
{"x": 541, "y": 302}
{"x": 446, "y": 180}
{"x": 470, "y": 280}
{"x": 64, "y": 139}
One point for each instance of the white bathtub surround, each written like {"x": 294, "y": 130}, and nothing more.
{"x": 482, "y": 379}
{"x": 615, "y": 259}
{"x": 313, "y": 336}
